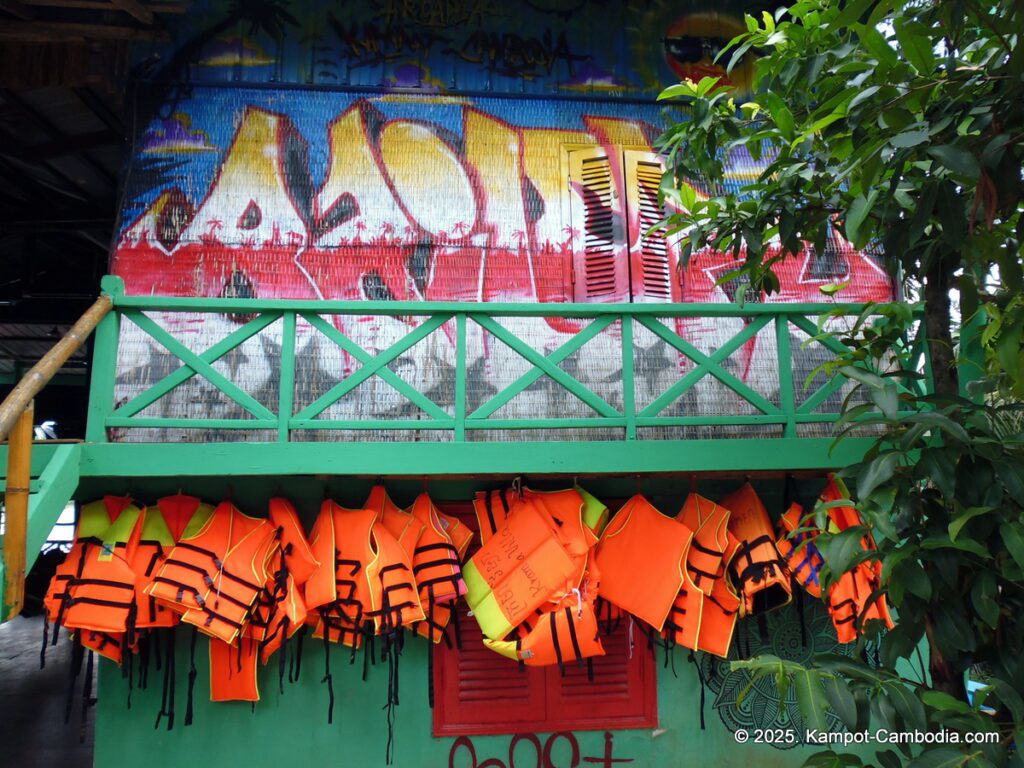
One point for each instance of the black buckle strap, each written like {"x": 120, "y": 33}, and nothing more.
{"x": 572, "y": 636}
{"x": 490, "y": 512}
{"x": 554, "y": 640}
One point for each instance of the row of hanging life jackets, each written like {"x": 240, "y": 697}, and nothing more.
{"x": 549, "y": 560}
{"x": 251, "y": 583}
{"x": 533, "y": 586}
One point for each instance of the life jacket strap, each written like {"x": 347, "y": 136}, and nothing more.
{"x": 327, "y": 678}
{"x": 572, "y": 636}
{"x": 355, "y": 564}
{"x": 191, "y": 676}
{"x": 558, "y": 647}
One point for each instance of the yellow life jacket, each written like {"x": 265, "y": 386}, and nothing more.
{"x": 537, "y": 555}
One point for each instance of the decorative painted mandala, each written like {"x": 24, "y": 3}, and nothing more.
{"x": 759, "y": 708}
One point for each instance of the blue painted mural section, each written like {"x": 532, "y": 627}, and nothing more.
{"x": 555, "y": 47}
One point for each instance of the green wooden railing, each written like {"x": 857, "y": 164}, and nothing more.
{"x": 787, "y": 411}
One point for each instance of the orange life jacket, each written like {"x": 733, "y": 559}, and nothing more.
{"x": 758, "y": 571}
{"x": 280, "y": 609}
{"x": 94, "y": 519}
{"x": 278, "y": 613}
{"x": 110, "y": 645}
{"x": 401, "y": 524}
{"x": 102, "y": 593}
{"x": 567, "y": 633}
{"x": 798, "y": 549}
{"x": 460, "y": 534}
{"x": 849, "y": 596}
{"x": 163, "y": 524}
{"x": 704, "y": 614}
{"x": 492, "y": 508}
{"x": 641, "y": 557}
{"x": 438, "y": 569}
{"x": 364, "y": 580}
{"x": 584, "y": 515}
{"x": 216, "y": 575}
{"x": 233, "y": 670}
{"x": 537, "y": 556}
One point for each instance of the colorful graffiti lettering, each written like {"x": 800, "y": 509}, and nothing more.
{"x": 471, "y": 208}
{"x": 543, "y": 755}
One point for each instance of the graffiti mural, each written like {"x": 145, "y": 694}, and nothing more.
{"x": 408, "y": 184}
{"x": 618, "y": 47}
{"x": 548, "y": 755}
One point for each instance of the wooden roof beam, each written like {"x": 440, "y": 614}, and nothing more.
{"x": 17, "y": 9}
{"x": 134, "y": 9}
{"x": 104, "y": 5}
{"x": 52, "y": 31}
{"x": 71, "y": 144}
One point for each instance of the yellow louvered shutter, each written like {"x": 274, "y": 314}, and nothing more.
{"x": 652, "y": 259}
{"x": 598, "y": 228}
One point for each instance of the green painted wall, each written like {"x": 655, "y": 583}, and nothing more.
{"x": 292, "y": 729}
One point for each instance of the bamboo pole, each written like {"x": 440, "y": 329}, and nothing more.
{"x": 19, "y": 472}
{"x": 17, "y": 401}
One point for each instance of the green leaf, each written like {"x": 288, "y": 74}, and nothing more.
{"x": 940, "y": 421}
{"x": 909, "y": 139}
{"x": 810, "y": 697}
{"x": 679, "y": 90}
{"x": 876, "y": 44}
{"x": 985, "y": 597}
{"x": 916, "y": 43}
{"x": 780, "y": 114}
{"x": 863, "y": 96}
{"x": 866, "y": 378}
{"x": 956, "y": 159}
{"x": 1010, "y": 697}
{"x": 944, "y": 702}
{"x": 887, "y": 399}
{"x": 858, "y": 211}
{"x": 842, "y": 549}
{"x": 833, "y": 288}
{"x": 1013, "y": 538}
{"x": 913, "y": 577}
{"x": 960, "y": 521}
{"x": 908, "y": 706}
{"x": 964, "y": 545}
{"x": 942, "y": 757}
{"x": 853, "y": 12}
{"x": 878, "y": 471}
{"x": 841, "y": 700}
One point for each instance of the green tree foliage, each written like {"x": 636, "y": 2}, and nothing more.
{"x": 902, "y": 123}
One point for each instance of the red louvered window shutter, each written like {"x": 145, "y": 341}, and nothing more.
{"x": 600, "y": 264}
{"x": 652, "y": 260}
{"x": 480, "y": 692}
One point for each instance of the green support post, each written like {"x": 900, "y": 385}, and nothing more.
{"x": 104, "y": 365}
{"x": 286, "y": 391}
{"x": 787, "y": 398}
{"x": 460, "y": 377}
{"x": 628, "y": 391}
